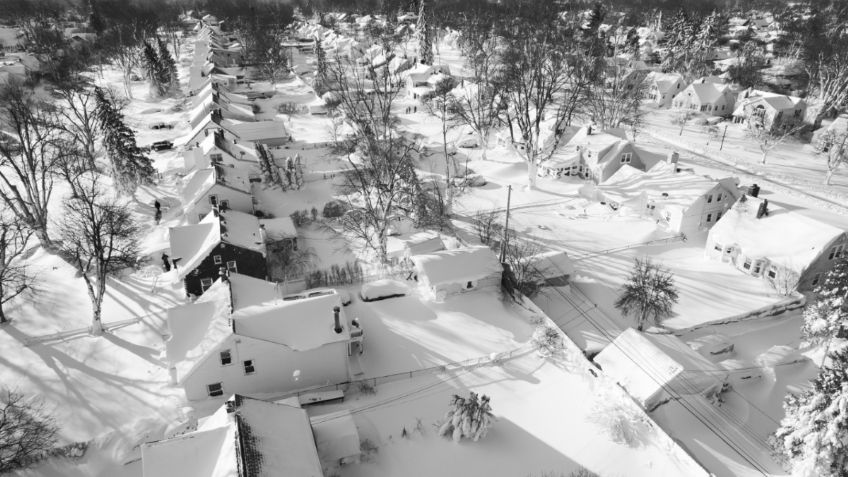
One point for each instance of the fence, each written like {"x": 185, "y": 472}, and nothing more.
{"x": 494, "y": 358}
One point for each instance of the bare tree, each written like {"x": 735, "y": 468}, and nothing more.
{"x": 14, "y": 276}
{"x": 521, "y": 256}
{"x": 541, "y": 84}
{"x": 649, "y": 294}
{"x": 438, "y": 103}
{"x": 78, "y": 112}
{"x": 487, "y": 225}
{"x": 27, "y": 432}
{"x": 616, "y": 97}
{"x": 99, "y": 238}
{"x": 834, "y": 147}
{"x": 28, "y": 157}
{"x": 380, "y": 186}
{"x": 768, "y": 138}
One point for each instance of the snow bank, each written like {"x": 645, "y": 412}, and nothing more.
{"x": 382, "y": 289}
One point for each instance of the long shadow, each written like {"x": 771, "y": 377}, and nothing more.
{"x": 144, "y": 352}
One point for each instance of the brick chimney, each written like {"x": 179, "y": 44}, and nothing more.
{"x": 337, "y": 320}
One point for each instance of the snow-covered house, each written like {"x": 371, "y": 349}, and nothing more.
{"x": 227, "y": 109}
{"x": 682, "y": 201}
{"x": 244, "y": 437}
{"x": 242, "y": 336}
{"x": 707, "y": 97}
{"x": 775, "y": 111}
{"x": 455, "y": 271}
{"x": 214, "y": 150}
{"x": 663, "y": 87}
{"x": 400, "y": 249}
{"x": 655, "y": 368}
{"x": 780, "y": 245}
{"x": 421, "y": 79}
{"x": 216, "y": 187}
{"x": 337, "y": 440}
{"x": 223, "y": 242}
{"x": 594, "y": 156}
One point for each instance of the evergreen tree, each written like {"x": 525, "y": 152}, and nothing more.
{"x": 631, "y": 43}
{"x": 814, "y": 434}
{"x": 468, "y": 417}
{"x": 167, "y": 65}
{"x": 95, "y": 21}
{"x": 129, "y": 166}
{"x": 321, "y": 59}
{"x": 155, "y": 73}
{"x": 826, "y": 316}
{"x": 425, "y": 37}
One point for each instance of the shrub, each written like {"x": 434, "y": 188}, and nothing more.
{"x": 334, "y": 209}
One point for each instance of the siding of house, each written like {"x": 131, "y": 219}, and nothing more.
{"x": 275, "y": 368}
{"x": 694, "y": 219}
{"x": 610, "y": 165}
{"x": 822, "y": 264}
{"x": 248, "y": 262}
{"x": 238, "y": 200}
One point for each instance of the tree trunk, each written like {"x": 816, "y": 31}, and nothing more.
{"x": 448, "y": 184}
{"x": 484, "y": 144}
{"x": 3, "y": 318}
{"x": 41, "y": 233}
{"x": 765, "y": 155}
{"x": 828, "y": 177}
{"x": 532, "y": 171}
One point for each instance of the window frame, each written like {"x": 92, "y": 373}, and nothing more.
{"x": 229, "y": 357}
{"x": 217, "y": 259}
{"x": 232, "y": 268}
{"x": 205, "y": 283}
{"x": 626, "y": 157}
{"x": 252, "y": 366}
{"x": 212, "y": 392}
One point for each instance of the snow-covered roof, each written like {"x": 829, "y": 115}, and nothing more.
{"x": 199, "y": 182}
{"x": 661, "y": 185}
{"x": 300, "y": 325}
{"x": 198, "y": 328}
{"x": 649, "y": 365}
{"x": 279, "y": 228}
{"x": 269, "y": 439}
{"x": 256, "y": 131}
{"x": 665, "y": 82}
{"x": 459, "y": 265}
{"x": 336, "y": 436}
{"x": 784, "y": 237}
{"x": 193, "y": 243}
{"x": 706, "y": 93}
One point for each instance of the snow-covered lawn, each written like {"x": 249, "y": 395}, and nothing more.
{"x": 553, "y": 416}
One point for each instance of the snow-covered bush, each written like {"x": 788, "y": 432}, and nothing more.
{"x": 334, "y": 209}
{"x": 624, "y": 424}
{"x": 469, "y": 417}
{"x": 547, "y": 340}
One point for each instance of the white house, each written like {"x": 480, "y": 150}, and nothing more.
{"x": 775, "y": 111}
{"x": 681, "y": 201}
{"x": 663, "y": 87}
{"x": 244, "y": 437}
{"x": 457, "y": 271}
{"x": 215, "y": 187}
{"x": 401, "y": 248}
{"x": 241, "y": 336}
{"x": 594, "y": 156}
{"x": 654, "y": 368}
{"x": 782, "y": 246}
{"x": 707, "y": 97}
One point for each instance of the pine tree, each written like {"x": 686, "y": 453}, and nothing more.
{"x": 826, "y": 316}
{"x": 129, "y": 166}
{"x": 425, "y": 37}
{"x": 155, "y": 72}
{"x": 814, "y": 434}
{"x": 167, "y": 65}
{"x": 468, "y": 417}
{"x": 631, "y": 44}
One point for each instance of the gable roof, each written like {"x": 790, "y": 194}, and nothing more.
{"x": 705, "y": 93}
{"x": 458, "y": 265}
{"x": 244, "y": 438}
{"x": 301, "y": 324}
{"x": 193, "y": 243}
{"x": 784, "y": 237}
{"x": 255, "y": 131}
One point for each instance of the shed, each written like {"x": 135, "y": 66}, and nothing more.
{"x": 653, "y": 368}
{"x": 460, "y": 270}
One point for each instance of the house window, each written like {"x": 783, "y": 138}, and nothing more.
{"x": 836, "y": 252}
{"x": 231, "y": 266}
{"x": 215, "y": 389}
{"x": 816, "y": 279}
{"x": 205, "y": 283}
{"x": 469, "y": 285}
{"x": 718, "y": 216}
{"x": 709, "y": 218}
{"x": 225, "y": 205}
{"x": 216, "y": 157}
{"x": 757, "y": 267}
{"x": 217, "y": 259}
{"x": 213, "y": 199}
{"x": 718, "y": 197}
{"x": 797, "y": 113}
{"x": 226, "y": 357}
{"x": 718, "y": 247}
{"x": 248, "y": 367}
{"x": 772, "y": 272}
{"x": 710, "y": 199}
{"x": 626, "y": 157}
{"x": 747, "y": 264}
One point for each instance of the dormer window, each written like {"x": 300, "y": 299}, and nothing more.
{"x": 216, "y": 157}
{"x": 213, "y": 199}
{"x": 626, "y": 157}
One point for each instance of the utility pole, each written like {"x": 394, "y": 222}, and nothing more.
{"x": 722, "y": 137}
{"x": 506, "y": 225}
